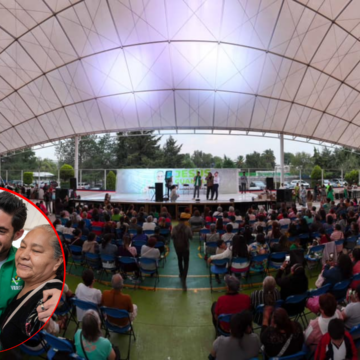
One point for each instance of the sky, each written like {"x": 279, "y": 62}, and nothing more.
{"x": 220, "y": 145}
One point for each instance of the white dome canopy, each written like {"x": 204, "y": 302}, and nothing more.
{"x": 71, "y": 67}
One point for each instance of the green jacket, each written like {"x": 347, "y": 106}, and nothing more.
{"x": 10, "y": 283}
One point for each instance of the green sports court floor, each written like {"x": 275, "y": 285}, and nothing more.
{"x": 171, "y": 324}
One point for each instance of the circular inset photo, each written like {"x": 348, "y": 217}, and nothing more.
{"x": 32, "y": 269}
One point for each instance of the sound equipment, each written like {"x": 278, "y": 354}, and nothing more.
{"x": 232, "y": 200}
{"x": 61, "y": 193}
{"x": 270, "y": 183}
{"x": 284, "y": 195}
{"x": 73, "y": 184}
{"x": 159, "y": 194}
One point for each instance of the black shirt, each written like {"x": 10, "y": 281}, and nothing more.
{"x": 25, "y": 322}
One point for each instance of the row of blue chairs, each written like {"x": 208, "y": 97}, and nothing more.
{"x": 109, "y": 264}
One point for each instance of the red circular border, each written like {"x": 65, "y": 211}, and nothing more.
{"x": 62, "y": 250}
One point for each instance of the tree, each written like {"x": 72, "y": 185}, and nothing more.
{"x": 268, "y": 159}
{"x": 352, "y": 177}
{"x": 110, "y": 181}
{"x": 28, "y": 178}
{"x": 218, "y": 162}
{"x": 316, "y": 173}
{"x": 66, "y": 172}
{"x": 201, "y": 159}
{"x": 171, "y": 157}
{"x": 187, "y": 162}
{"x": 288, "y": 157}
{"x": 240, "y": 162}
{"x": 228, "y": 163}
{"x": 253, "y": 161}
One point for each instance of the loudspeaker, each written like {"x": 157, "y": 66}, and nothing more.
{"x": 284, "y": 195}
{"x": 232, "y": 200}
{"x": 159, "y": 192}
{"x": 73, "y": 184}
{"x": 61, "y": 193}
{"x": 270, "y": 183}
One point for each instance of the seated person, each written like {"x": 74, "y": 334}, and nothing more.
{"x": 140, "y": 236}
{"x": 229, "y": 234}
{"x": 85, "y": 291}
{"x": 351, "y": 313}
{"x": 334, "y": 273}
{"x": 230, "y": 303}
{"x": 233, "y": 223}
{"x": 133, "y": 224}
{"x": 90, "y": 245}
{"x": 39, "y": 263}
{"x": 150, "y": 252}
{"x": 279, "y": 332}
{"x": 213, "y": 237}
{"x": 149, "y": 224}
{"x": 83, "y": 228}
{"x": 218, "y": 212}
{"x": 97, "y": 223}
{"x": 196, "y": 221}
{"x": 68, "y": 229}
{"x": 319, "y": 326}
{"x": 116, "y": 299}
{"x": 296, "y": 244}
{"x": 282, "y": 246}
{"x": 336, "y": 344}
{"x": 107, "y": 248}
{"x": 259, "y": 247}
{"x": 294, "y": 284}
{"x": 337, "y": 234}
{"x": 76, "y": 240}
{"x": 242, "y": 343}
{"x": 90, "y": 339}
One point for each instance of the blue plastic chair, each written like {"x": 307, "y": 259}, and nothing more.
{"x": 294, "y": 300}
{"x": 273, "y": 241}
{"x": 44, "y": 349}
{"x": 202, "y": 234}
{"x": 56, "y": 344}
{"x": 355, "y": 333}
{"x": 165, "y": 232}
{"x": 298, "y": 356}
{"x": 149, "y": 232}
{"x": 123, "y": 330}
{"x": 260, "y": 310}
{"x": 68, "y": 237}
{"x": 351, "y": 242}
{"x": 64, "y": 309}
{"x": 223, "y": 318}
{"x": 261, "y": 265}
{"x": 154, "y": 272}
{"x": 108, "y": 264}
{"x": 124, "y": 261}
{"x": 284, "y": 227}
{"x": 93, "y": 261}
{"x": 339, "y": 243}
{"x": 84, "y": 305}
{"x": 218, "y": 267}
{"x": 356, "y": 277}
{"x": 314, "y": 257}
{"x": 320, "y": 291}
{"x": 138, "y": 244}
{"x": 97, "y": 229}
{"x": 132, "y": 231}
{"x": 339, "y": 290}
{"x": 276, "y": 260}
{"x": 329, "y": 231}
{"x": 241, "y": 261}
{"x": 76, "y": 256}
{"x": 221, "y": 232}
{"x": 161, "y": 245}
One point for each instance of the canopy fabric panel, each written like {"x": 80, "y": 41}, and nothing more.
{"x": 73, "y": 67}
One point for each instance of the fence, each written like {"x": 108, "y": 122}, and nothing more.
{"x": 97, "y": 178}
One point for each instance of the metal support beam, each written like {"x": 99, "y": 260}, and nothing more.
{"x": 104, "y": 179}
{"x": 322, "y": 176}
{"x": 282, "y": 158}
{"x": 22, "y": 177}
{"x": 76, "y": 162}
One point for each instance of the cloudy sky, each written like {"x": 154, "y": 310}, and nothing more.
{"x": 221, "y": 145}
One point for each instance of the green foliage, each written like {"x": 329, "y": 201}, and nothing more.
{"x": 228, "y": 163}
{"x": 66, "y": 172}
{"x": 171, "y": 157}
{"x": 28, "y": 178}
{"x": 316, "y": 173}
{"x": 187, "y": 162}
{"x": 352, "y": 177}
{"x": 110, "y": 181}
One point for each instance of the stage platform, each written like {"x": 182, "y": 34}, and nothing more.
{"x": 241, "y": 201}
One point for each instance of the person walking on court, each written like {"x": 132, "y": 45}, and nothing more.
{"x": 209, "y": 185}
{"x": 181, "y": 235}
{"x": 197, "y": 185}
{"x": 243, "y": 182}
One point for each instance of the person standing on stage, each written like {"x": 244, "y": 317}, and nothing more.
{"x": 243, "y": 182}
{"x": 181, "y": 235}
{"x": 197, "y": 184}
{"x": 216, "y": 185}
{"x": 209, "y": 185}
{"x": 169, "y": 184}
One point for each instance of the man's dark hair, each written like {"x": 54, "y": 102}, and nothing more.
{"x": 91, "y": 236}
{"x": 220, "y": 242}
{"x": 14, "y": 206}
{"x": 336, "y": 329}
{"x": 328, "y": 304}
{"x": 157, "y": 230}
{"x": 88, "y": 277}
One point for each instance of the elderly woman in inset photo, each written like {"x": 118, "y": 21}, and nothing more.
{"x": 39, "y": 263}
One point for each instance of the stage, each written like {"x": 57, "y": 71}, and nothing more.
{"x": 240, "y": 201}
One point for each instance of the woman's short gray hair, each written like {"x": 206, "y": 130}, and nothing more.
{"x": 269, "y": 284}
{"x": 231, "y": 209}
{"x": 54, "y": 242}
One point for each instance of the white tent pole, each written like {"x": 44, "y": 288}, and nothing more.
{"x": 76, "y": 158}
{"x": 282, "y": 158}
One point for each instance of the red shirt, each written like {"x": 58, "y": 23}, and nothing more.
{"x": 324, "y": 239}
{"x": 231, "y": 304}
{"x": 97, "y": 224}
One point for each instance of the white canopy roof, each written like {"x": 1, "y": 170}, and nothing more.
{"x": 281, "y": 66}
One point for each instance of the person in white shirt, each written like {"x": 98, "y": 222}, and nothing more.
{"x": 149, "y": 224}
{"x": 218, "y": 212}
{"x": 229, "y": 234}
{"x": 216, "y": 185}
{"x": 41, "y": 194}
{"x": 285, "y": 220}
{"x": 150, "y": 252}
{"x": 86, "y": 292}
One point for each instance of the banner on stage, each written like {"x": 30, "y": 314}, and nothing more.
{"x": 138, "y": 181}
